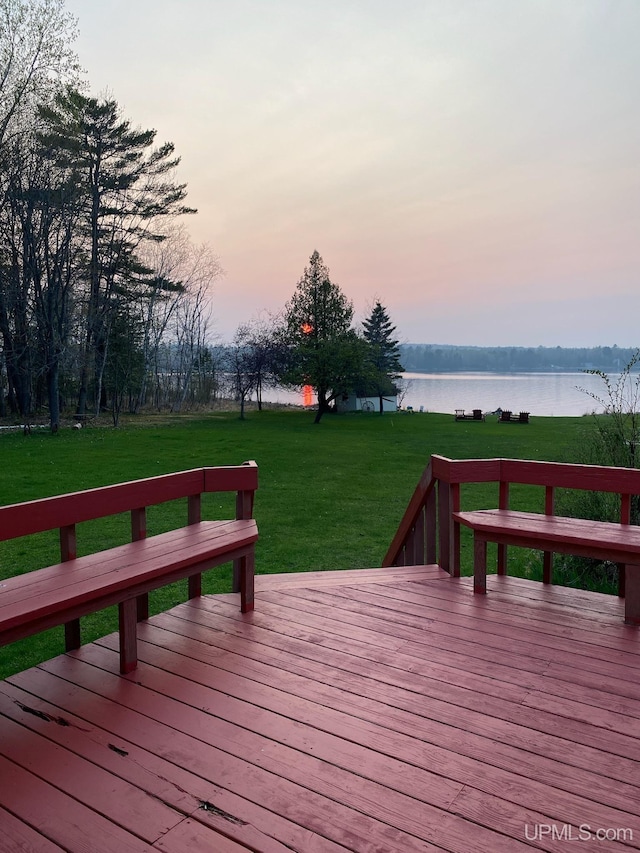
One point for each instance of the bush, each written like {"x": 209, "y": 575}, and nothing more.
{"x": 614, "y": 441}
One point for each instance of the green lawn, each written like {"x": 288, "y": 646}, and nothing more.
{"x": 331, "y": 495}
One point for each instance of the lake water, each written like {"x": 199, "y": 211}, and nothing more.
{"x": 538, "y": 393}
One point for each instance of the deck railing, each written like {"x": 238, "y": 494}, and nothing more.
{"x": 428, "y": 535}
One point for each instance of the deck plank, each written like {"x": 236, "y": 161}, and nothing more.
{"x": 191, "y": 835}
{"x": 59, "y": 817}
{"x": 319, "y": 580}
{"x": 18, "y": 837}
{"x": 368, "y": 710}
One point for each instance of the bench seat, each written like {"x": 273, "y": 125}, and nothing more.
{"x": 619, "y": 543}
{"x": 62, "y": 593}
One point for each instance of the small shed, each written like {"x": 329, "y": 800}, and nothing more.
{"x": 355, "y": 403}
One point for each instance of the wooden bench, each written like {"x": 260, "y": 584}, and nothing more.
{"x": 475, "y": 415}
{"x": 124, "y": 575}
{"x": 601, "y": 540}
{"x": 507, "y": 417}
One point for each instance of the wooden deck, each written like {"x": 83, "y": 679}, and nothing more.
{"x": 375, "y": 711}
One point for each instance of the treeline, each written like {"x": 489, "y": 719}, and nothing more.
{"x": 104, "y": 301}
{"x": 103, "y": 298}
{"x": 435, "y": 358}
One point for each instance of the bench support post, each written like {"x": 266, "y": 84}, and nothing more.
{"x": 479, "y": 564}
{"x": 622, "y": 579}
{"x": 142, "y": 607}
{"x": 632, "y": 600}
{"x": 72, "y": 635}
{"x": 245, "y": 567}
{"x": 503, "y": 503}
{"x": 128, "y": 621}
{"x": 194, "y": 585}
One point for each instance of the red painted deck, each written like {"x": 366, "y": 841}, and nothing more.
{"x": 374, "y": 711}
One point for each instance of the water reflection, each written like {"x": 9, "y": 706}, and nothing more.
{"x": 308, "y": 398}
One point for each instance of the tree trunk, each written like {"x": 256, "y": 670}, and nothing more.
{"x": 53, "y": 394}
{"x": 84, "y": 382}
{"x": 323, "y": 405}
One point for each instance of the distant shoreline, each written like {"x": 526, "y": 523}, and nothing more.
{"x": 435, "y": 358}
{"x": 514, "y": 372}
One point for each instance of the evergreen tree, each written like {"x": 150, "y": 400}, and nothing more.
{"x": 325, "y": 351}
{"x": 384, "y": 353}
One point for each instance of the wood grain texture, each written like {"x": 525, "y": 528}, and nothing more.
{"x": 386, "y": 710}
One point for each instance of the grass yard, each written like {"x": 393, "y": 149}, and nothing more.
{"x": 330, "y": 497}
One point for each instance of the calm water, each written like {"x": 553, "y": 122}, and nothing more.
{"x": 537, "y": 393}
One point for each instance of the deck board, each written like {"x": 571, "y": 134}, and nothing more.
{"x": 372, "y": 710}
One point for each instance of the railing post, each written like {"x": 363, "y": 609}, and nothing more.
{"x": 547, "y": 556}
{"x": 454, "y": 530}
{"x": 503, "y": 503}
{"x": 448, "y": 502}
{"x": 138, "y": 524}
{"x": 414, "y": 546}
{"x": 194, "y": 509}
{"x": 444, "y": 525}
{"x": 194, "y": 515}
{"x": 431, "y": 525}
{"x": 419, "y": 540}
{"x": 244, "y": 510}
{"x": 138, "y": 532}
{"x": 625, "y": 518}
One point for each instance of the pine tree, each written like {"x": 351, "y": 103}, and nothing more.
{"x": 384, "y": 353}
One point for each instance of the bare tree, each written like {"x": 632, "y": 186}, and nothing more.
{"x": 242, "y": 366}
{"x": 191, "y": 362}
{"x": 263, "y": 350}
{"x": 35, "y": 56}
{"x": 179, "y": 269}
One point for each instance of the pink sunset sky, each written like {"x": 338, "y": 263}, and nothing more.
{"x": 474, "y": 164}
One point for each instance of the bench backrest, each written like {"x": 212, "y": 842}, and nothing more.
{"x": 599, "y": 478}
{"x": 64, "y": 511}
